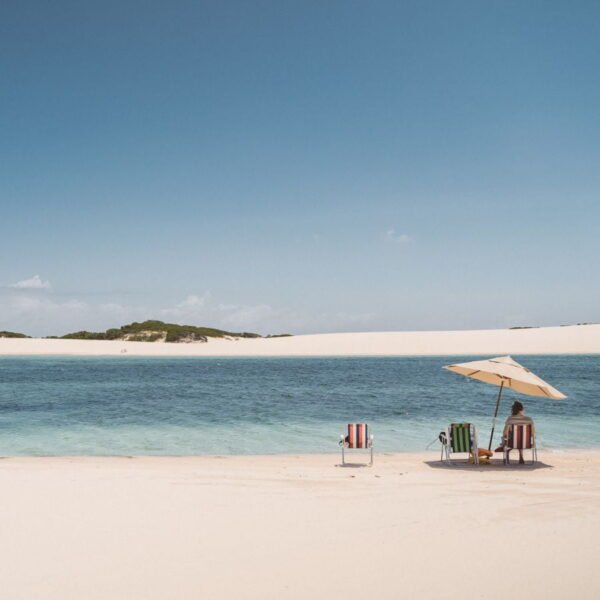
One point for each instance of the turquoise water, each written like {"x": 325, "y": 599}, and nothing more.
{"x": 133, "y": 406}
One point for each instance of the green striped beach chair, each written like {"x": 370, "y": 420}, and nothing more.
{"x": 459, "y": 438}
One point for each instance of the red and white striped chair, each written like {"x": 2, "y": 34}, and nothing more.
{"x": 520, "y": 437}
{"x": 358, "y": 438}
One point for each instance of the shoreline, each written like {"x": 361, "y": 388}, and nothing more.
{"x": 543, "y": 341}
{"x": 282, "y": 356}
{"x": 411, "y": 454}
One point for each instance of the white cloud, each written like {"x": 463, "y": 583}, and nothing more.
{"x": 193, "y": 302}
{"x": 33, "y": 283}
{"x": 247, "y": 317}
{"x": 203, "y": 310}
{"x": 193, "y": 306}
{"x": 35, "y": 314}
{"x": 24, "y": 304}
{"x": 393, "y": 237}
{"x": 112, "y": 308}
{"x": 225, "y": 307}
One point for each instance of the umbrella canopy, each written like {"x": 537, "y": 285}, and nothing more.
{"x": 507, "y": 372}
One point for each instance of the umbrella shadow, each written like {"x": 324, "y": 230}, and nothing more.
{"x": 493, "y": 465}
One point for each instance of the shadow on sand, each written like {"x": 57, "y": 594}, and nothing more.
{"x": 493, "y": 465}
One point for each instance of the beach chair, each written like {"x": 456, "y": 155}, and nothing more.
{"x": 459, "y": 438}
{"x": 358, "y": 438}
{"x": 520, "y": 437}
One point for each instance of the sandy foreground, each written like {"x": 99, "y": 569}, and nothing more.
{"x": 576, "y": 339}
{"x": 298, "y": 526}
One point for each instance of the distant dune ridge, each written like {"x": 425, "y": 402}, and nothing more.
{"x": 150, "y": 331}
{"x": 573, "y": 339}
{"x": 12, "y": 334}
{"x": 158, "y": 331}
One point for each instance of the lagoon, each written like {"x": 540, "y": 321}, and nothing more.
{"x": 187, "y": 406}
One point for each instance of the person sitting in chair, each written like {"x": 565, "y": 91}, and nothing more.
{"x": 517, "y": 417}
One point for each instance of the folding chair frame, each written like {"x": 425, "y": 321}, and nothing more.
{"x": 369, "y": 447}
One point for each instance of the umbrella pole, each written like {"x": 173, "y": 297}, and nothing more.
{"x": 496, "y": 414}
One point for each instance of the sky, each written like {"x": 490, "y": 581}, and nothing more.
{"x": 299, "y": 167}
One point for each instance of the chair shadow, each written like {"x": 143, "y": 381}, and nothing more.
{"x": 494, "y": 464}
{"x": 353, "y": 465}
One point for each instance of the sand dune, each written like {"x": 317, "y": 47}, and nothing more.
{"x": 577, "y": 339}
{"x": 296, "y": 527}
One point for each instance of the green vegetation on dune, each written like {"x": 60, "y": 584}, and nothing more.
{"x": 152, "y": 331}
{"x": 12, "y": 334}
{"x": 81, "y": 335}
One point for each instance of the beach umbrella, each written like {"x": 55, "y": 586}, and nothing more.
{"x": 506, "y": 372}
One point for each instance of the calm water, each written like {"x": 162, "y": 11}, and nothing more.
{"x": 127, "y": 405}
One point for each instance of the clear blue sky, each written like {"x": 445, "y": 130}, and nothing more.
{"x": 299, "y": 166}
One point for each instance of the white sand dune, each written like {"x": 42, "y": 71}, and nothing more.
{"x": 297, "y": 527}
{"x": 576, "y": 339}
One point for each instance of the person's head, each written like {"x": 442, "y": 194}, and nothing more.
{"x": 517, "y": 408}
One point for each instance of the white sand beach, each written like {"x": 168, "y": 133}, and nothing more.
{"x": 294, "y": 527}
{"x": 575, "y": 339}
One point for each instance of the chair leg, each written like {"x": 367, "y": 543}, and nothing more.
{"x": 445, "y": 455}
{"x": 343, "y": 458}
{"x": 449, "y": 457}
{"x": 371, "y": 464}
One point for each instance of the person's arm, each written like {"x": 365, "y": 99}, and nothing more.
{"x": 505, "y": 431}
